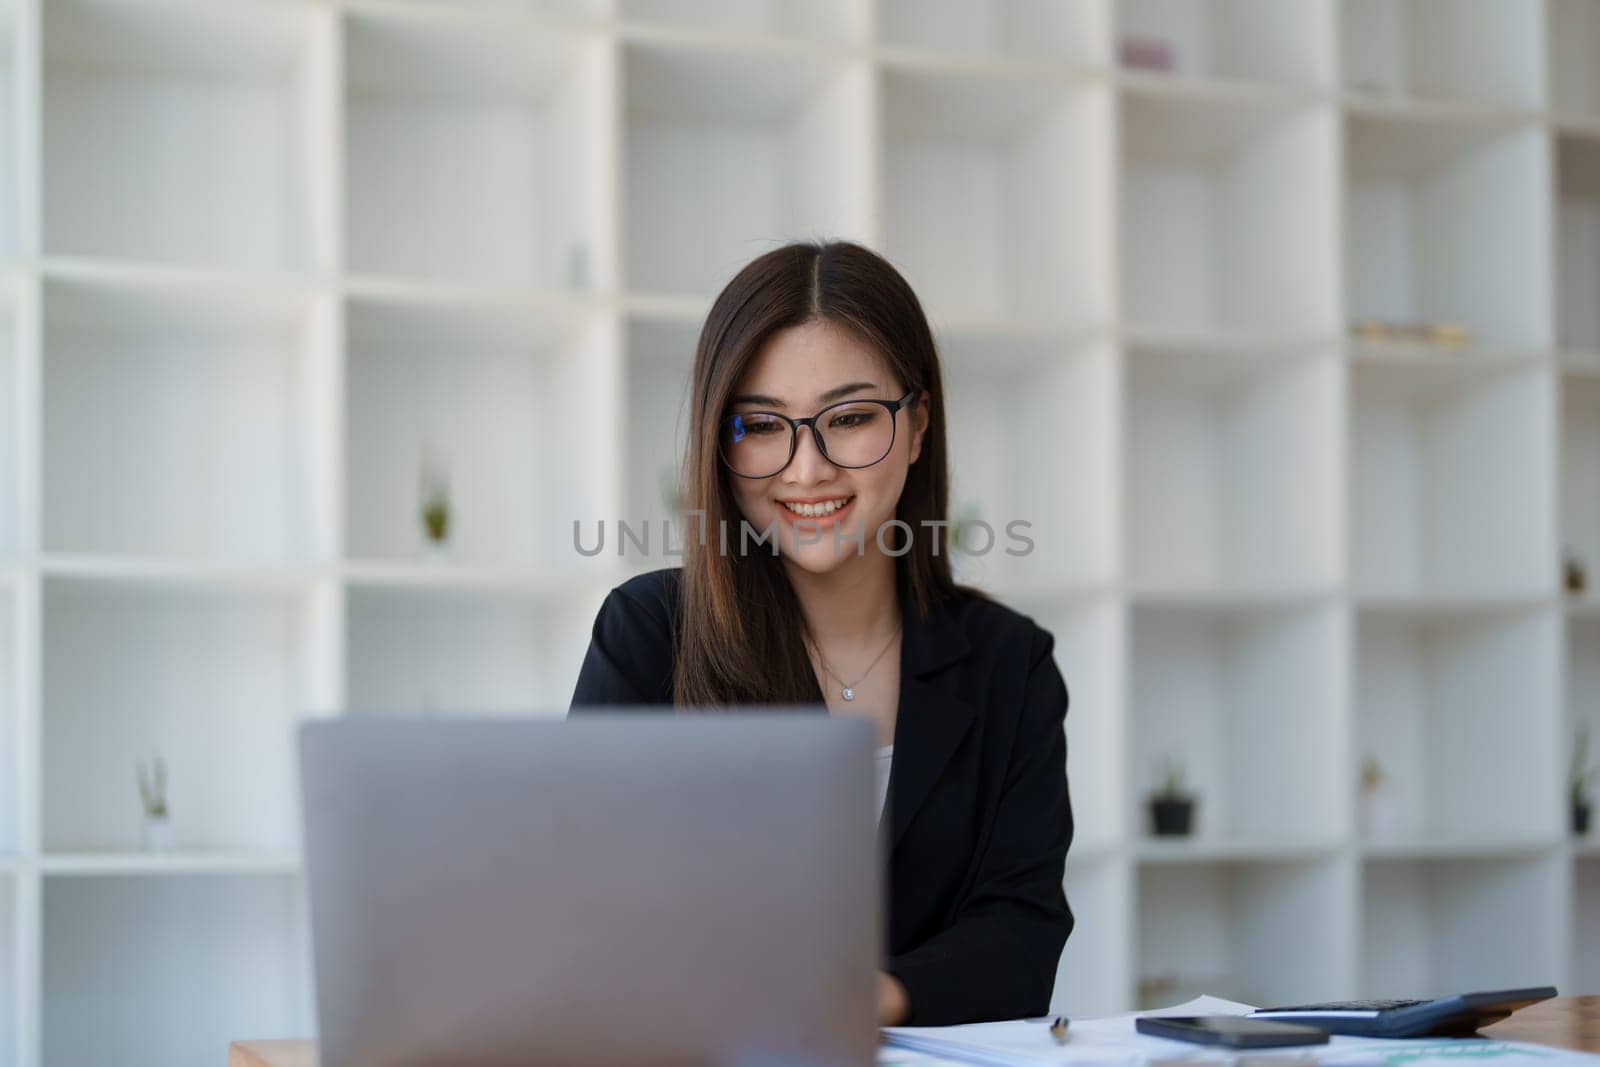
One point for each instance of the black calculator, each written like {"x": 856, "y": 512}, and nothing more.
{"x": 1456, "y": 1016}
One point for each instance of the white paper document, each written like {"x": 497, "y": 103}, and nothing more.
{"x": 1113, "y": 1042}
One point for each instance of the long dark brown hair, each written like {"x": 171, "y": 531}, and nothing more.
{"x": 740, "y": 629}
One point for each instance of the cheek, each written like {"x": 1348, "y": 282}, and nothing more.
{"x": 750, "y": 496}
{"x": 884, "y": 484}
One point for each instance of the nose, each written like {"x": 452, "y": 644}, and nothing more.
{"x": 809, "y": 464}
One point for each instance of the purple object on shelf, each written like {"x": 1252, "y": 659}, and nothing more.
{"x": 1147, "y": 53}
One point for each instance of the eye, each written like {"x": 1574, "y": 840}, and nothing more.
{"x": 851, "y": 419}
{"x": 762, "y": 427}
{"x": 739, "y": 427}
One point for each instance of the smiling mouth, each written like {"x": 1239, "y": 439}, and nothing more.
{"x": 820, "y": 510}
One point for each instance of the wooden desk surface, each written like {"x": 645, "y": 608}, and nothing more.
{"x": 272, "y": 1054}
{"x": 1566, "y": 1022}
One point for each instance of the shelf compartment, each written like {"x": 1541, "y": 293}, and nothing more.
{"x": 714, "y": 178}
{"x": 1251, "y": 701}
{"x": 1239, "y": 931}
{"x": 426, "y": 92}
{"x": 997, "y": 195}
{"x": 1578, "y": 242}
{"x": 1233, "y": 472}
{"x": 1430, "y": 928}
{"x": 175, "y": 968}
{"x": 11, "y": 503}
{"x": 659, "y": 357}
{"x": 1421, "y": 247}
{"x": 823, "y": 22}
{"x": 188, "y": 100}
{"x": 1463, "y": 713}
{"x": 1574, "y": 58}
{"x": 10, "y": 146}
{"x": 212, "y": 681}
{"x": 1091, "y": 653}
{"x": 504, "y": 403}
{"x": 10, "y": 733}
{"x": 1236, "y": 40}
{"x": 1452, "y": 482}
{"x": 1472, "y": 51}
{"x": 1093, "y": 977}
{"x": 1071, "y": 32}
{"x": 180, "y": 420}
{"x": 1024, "y": 413}
{"x": 439, "y": 652}
{"x": 1229, "y": 214}
{"x": 1580, "y": 473}
{"x": 10, "y": 957}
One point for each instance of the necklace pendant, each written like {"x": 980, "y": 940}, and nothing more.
{"x": 849, "y": 694}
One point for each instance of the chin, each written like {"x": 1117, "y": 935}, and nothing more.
{"x": 822, "y": 556}
{"x": 819, "y": 559}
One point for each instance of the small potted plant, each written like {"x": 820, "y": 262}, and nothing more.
{"x": 1575, "y": 576}
{"x": 671, "y": 488}
{"x": 1581, "y": 777}
{"x": 1378, "y": 816}
{"x": 157, "y": 833}
{"x": 962, "y": 526}
{"x": 1172, "y": 806}
{"x": 435, "y": 505}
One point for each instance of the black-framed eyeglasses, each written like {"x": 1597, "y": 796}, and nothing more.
{"x": 850, "y": 434}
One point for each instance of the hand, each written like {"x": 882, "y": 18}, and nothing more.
{"x": 893, "y": 1004}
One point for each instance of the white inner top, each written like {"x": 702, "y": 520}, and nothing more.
{"x": 885, "y": 757}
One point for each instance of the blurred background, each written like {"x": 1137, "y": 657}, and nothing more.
{"x": 322, "y": 321}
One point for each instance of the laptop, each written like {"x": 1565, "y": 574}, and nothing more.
{"x": 615, "y": 888}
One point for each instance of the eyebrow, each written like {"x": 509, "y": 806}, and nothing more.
{"x": 828, "y": 397}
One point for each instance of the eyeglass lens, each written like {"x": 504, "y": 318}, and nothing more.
{"x": 759, "y": 445}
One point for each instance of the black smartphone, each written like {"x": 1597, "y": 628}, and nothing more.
{"x": 1230, "y": 1031}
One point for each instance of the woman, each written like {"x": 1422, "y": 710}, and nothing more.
{"x": 817, "y": 420}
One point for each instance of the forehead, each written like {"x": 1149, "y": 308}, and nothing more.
{"x": 798, "y": 364}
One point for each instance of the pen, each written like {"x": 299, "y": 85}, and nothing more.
{"x": 1058, "y": 1029}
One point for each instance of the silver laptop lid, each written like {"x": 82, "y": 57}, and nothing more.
{"x": 674, "y": 889}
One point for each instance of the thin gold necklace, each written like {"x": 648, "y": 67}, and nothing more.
{"x": 848, "y": 689}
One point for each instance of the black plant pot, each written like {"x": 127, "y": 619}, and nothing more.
{"x": 1172, "y": 816}
{"x": 1580, "y": 817}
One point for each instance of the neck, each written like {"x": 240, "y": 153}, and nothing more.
{"x": 854, "y": 604}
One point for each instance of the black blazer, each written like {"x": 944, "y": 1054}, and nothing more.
{"x": 979, "y": 819}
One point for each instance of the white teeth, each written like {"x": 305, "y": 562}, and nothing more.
{"x": 817, "y": 511}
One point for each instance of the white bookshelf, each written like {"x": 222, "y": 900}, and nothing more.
{"x": 994, "y": 185}
{"x": 1433, "y": 925}
{"x": 1036, "y": 411}
{"x": 259, "y": 261}
{"x": 11, "y": 952}
{"x": 233, "y": 948}
{"x": 427, "y": 91}
{"x": 1433, "y": 693}
{"x": 225, "y": 98}
{"x": 705, "y": 168}
{"x": 1453, "y": 490}
{"x": 1473, "y": 52}
{"x": 1207, "y": 244}
{"x": 1237, "y": 40}
{"x": 1239, "y": 694}
{"x": 1232, "y": 475}
{"x": 1223, "y": 925}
